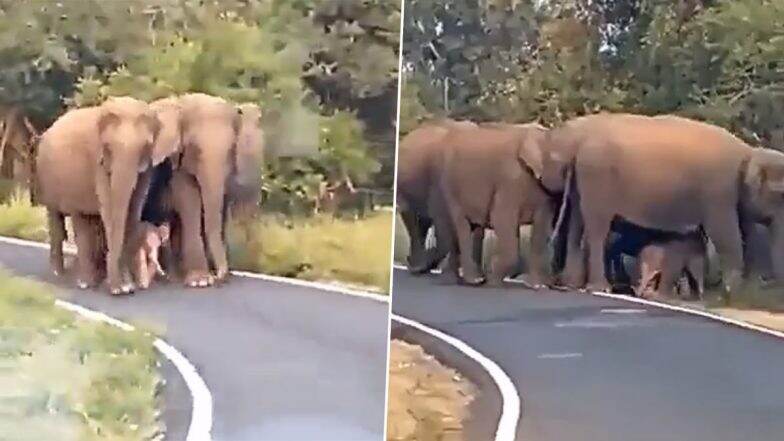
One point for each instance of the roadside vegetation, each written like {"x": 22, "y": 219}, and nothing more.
{"x": 427, "y": 401}
{"x": 68, "y": 379}
{"x": 316, "y": 248}
{"x": 20, "y": 218}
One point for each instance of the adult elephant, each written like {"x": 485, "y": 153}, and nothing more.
{"x": 217, "y": 166}
{"x": 94, "y": 164}
{"x": 668, "y": 173}
{"x": 420, "y": 164}
{"x": 491, "y": 180}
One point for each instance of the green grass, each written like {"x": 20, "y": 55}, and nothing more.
{"x": 318, "y": 248}
{"x": 20, "y": 219}
{"x": 64, "y": 378}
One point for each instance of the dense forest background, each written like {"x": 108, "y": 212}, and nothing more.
{"x": 324, "y": 73}
{"x": 549, "y": 60}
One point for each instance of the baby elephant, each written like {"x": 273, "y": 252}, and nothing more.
{"x": 146, "y": 262}
{"x": 663, "y": 264}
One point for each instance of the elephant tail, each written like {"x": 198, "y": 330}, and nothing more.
{"x": 560, "y": 234}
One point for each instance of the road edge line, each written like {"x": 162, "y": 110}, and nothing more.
{"x": 330, "y": 287}
{"x": 200, "y": 427}
{"x": 683, "y": 309}
{"x": 510, "y": 398}
{"x": 686, "y": 310}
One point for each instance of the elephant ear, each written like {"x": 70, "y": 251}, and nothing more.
{"x": 765, "y": 171}
{"x": 168, "y": 139}
{"x": 530, "y": 150}
{"x": 106, "y": 122}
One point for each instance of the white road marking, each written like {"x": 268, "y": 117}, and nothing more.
{"x": 685, "y": 310}
{"x": 200, "y": 428}
{"x": 330, "y": 287}
{"x": 559, "y": 356}
{"x": 623, "y": 311}
{"x": 510, "y": 400}
{"x": 692, "y": 311}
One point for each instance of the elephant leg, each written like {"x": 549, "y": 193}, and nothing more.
{"x": 574, "y": 268}
{"x": 415, "y": 241}
{"x": 56, "y": 223}
{"x": 86, "y": 251}
{"x": 99, "y": 250}
{"x": 462, "y": 231}
{"x": 540, "y": 233}
{"x": 507, "y": 253}
{"x": 597, "y": 227}
{"x": 187, "y": 203}
{"x": 478, "y": 239}
{"x": 446, "y": 247}
{"x": 671, "y": 272}
{"x": 695, "y": 272}
{"x": 722, "y": 227}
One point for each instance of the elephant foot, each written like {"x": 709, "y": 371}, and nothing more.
{"x": 473, "y": 281}
{"x": 655, "y": 296}
{"x": 422, "y": 268}
{"x": 87, "y": 282}
{"x": 598, "y": 287}
{"x": 198, "y": 279}
{"x": 124, "y": 289}
{"x": 222, "y": 275}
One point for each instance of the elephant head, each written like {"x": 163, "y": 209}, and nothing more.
{"x": 210, "y": 126}
{"x": 763, "y": 198}
{"x": 127, "y": 131}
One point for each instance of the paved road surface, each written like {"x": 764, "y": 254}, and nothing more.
{"x": 594, "y": 369}
{"x": 282, "y": 362}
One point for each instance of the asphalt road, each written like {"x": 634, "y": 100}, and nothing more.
{"x": 595, "y": 369}
{"x": 282, "y": 362}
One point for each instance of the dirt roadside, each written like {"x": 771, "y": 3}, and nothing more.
{"x": 427, "y": 400}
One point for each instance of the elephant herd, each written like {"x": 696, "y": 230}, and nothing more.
{"x": 182, "y": 162}
{"x": 593, "y": 189}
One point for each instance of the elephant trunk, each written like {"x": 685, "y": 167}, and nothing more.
{"x": 122, "y": 182}
{"x": 212, "y": 182}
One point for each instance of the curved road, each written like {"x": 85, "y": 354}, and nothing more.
{"x": 590, "y": 368}
{"x": 282, "y": 362}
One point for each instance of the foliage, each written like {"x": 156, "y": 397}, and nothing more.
{"x": 412, "y": 111}
{"x": 68, "y": 379}
{"x": 319, "y": 248}
{"x": 302, "y": 61}
{"x": 719, "y": 61}
{"x": 20, "y": 219}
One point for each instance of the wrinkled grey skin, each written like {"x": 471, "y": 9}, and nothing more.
{"x": 666, "y": 173}
{"x": 491, "y": 180}
{"x": 217, "y": 167}
{"x": 94, "y": 163}
{"x": 664, "y": 263}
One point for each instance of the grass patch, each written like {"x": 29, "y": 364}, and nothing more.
{"x": 427, "y": 401}
{"x": 318, "y": 248}
{"x": 21, "y": 219}
{"x": 64, "y": 378}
